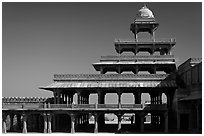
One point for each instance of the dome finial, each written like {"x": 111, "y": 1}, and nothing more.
{"x": 145, "y": 12}
{"x": 144, "y": 6}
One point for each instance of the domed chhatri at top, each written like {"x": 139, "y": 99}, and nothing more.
{"x": 144, "y": 22}
{"x": 144, "y": 12}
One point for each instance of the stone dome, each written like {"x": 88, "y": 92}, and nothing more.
{"x": 144, "y": 12}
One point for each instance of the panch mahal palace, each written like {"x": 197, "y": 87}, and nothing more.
{"x": 155, "y": 74}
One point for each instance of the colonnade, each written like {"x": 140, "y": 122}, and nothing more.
{"x": 50, "y": 120}
{"x": 62, "y": 98}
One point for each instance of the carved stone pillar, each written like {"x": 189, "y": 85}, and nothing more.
{"x": 96, "y": 123}
{"x": 49, "y": 117}
{"x": 24, "y": 123}
{"x": 4, "y": 123}
{"x": 45, "y": 122}
{"x": 72, "y": 123}
{"x": 119, "y": 97}
{"x": 119, "y": 122}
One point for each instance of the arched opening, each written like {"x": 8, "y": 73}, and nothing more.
{"x": 111, "y": 72}
{"x": 143, "y": 53}
{"x": 111, "y": 98}
{"x": 150, "y": 70}
{"x": 144, "y": 36}
{"x": 111, "y": 118}
{"x": 127, "y": 72}
{"x": 82, "y": 123}
{"x": 93, "y": 98}
{"x": 160, "y": 72}
{"x": 145, "y": 98}
{"x": 127, "y": 53}
{"x": 143, "y": 72}
{"x": 127, "y": 118}
{"x": 75, "y": 98}
{"x": 164, "y": 98}
{"x": 127, "y": 98}
{"x": 61, "y": 123}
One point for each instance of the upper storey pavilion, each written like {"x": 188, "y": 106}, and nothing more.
{"x": 144, "y": 22}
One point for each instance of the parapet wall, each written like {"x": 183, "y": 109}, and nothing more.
{"x": 24, "y": 99}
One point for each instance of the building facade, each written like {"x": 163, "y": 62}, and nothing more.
{"x": 188, "y": 98}
{"x": 150, "y": 74}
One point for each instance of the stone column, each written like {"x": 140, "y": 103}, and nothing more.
{"x": 72, "y": 123}
{"x": 96, "y": 123}
{"x": 4, "y": 123}
{"x": 119, "y": 121}
{"x": 45, "y": 122}
{"x": 101, "y": 70}
{"x": 119, "y": 99}
{"x": 166, "y": 122}
{"x": 49, "y": 117}
{"x": 24, "y": 123}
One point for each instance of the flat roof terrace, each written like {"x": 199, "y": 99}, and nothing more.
{"x": 166, "y": 58}
{"x": 144, "y": 45}
{"x": 109, "y": 82}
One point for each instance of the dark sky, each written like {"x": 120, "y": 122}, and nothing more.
{"x": 42, "y": 39}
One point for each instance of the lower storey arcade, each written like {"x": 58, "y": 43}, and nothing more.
{"x": 78, "y": 120}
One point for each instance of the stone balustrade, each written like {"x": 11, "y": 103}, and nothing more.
{"x": 28, "y": 106}
{"x": 24, "y": 99}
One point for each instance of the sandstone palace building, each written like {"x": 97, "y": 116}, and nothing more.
{"x": 155, "y": 74}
